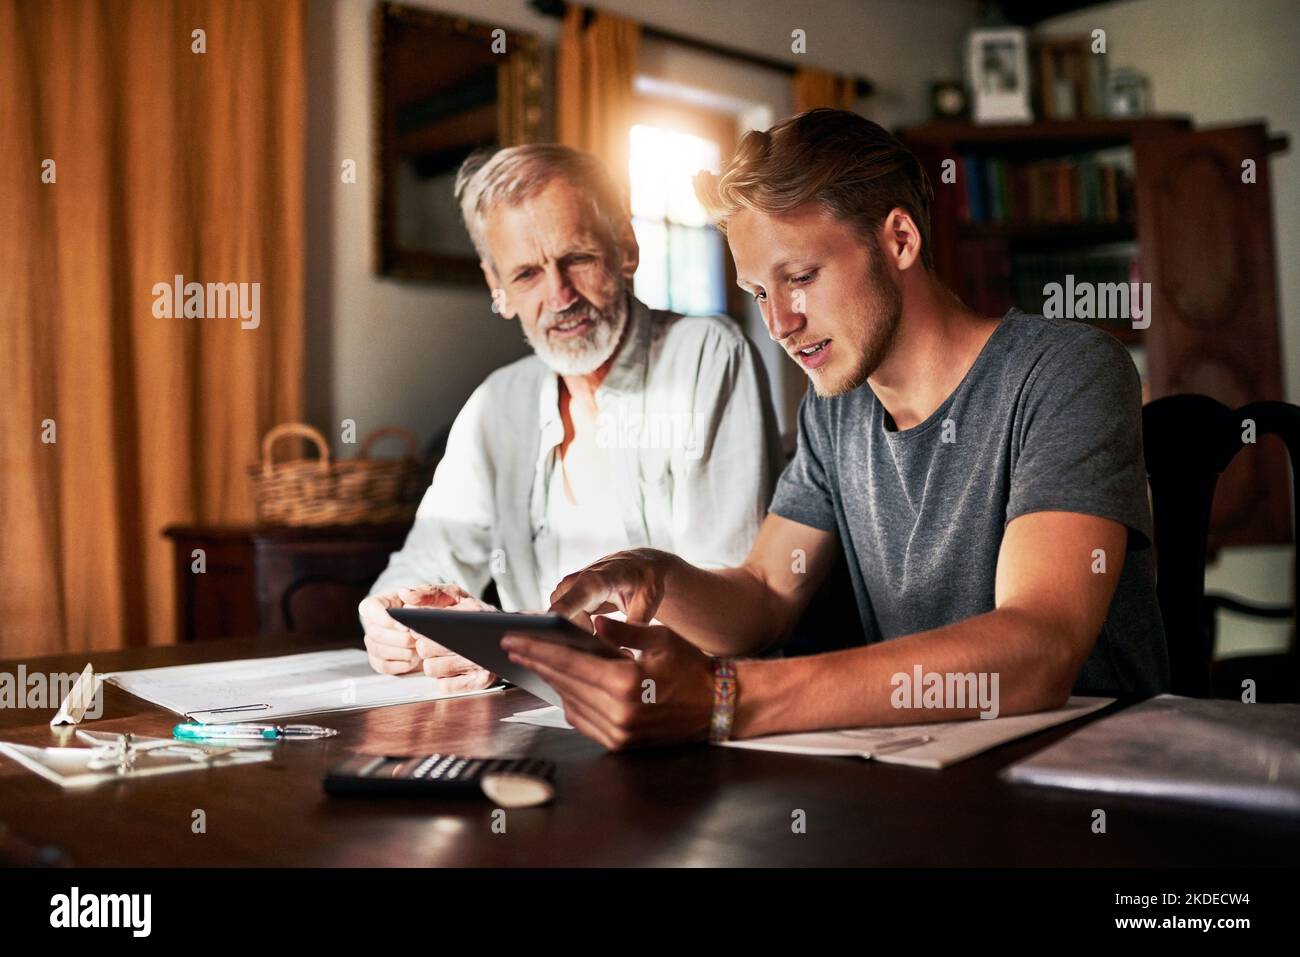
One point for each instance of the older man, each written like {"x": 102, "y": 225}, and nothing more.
{"x": 627, "y": 427}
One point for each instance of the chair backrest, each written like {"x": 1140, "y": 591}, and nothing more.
{"x": 1188, "y": 442}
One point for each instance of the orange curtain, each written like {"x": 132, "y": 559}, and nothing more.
{"x": 594, "y": 70}
{"x": 814, "y": 88}
{"x": 164, "y": 161}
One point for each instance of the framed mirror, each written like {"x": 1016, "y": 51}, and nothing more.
{"x": 445, "y": 86}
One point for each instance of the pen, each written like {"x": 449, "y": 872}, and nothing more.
{"x": 261, "y": 732}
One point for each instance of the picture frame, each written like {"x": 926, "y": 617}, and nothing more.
{"x": 439, "y": 93}
{"x": 997, "y": 61}
{"x": 1128, "y": 94}
{"x": 1069, "y": 82}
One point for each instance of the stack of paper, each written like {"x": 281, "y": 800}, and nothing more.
{"x": 1186, "y": 749}
{"x": 255, "y": 689}
{"x": 950, "y": 741}
{"x": 935, "y": 745}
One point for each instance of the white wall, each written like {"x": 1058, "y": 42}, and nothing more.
{"x": 1227, "y": 63}
{"x": 383, "y": 351}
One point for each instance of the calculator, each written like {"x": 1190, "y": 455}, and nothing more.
{"x": 510, "y": 782}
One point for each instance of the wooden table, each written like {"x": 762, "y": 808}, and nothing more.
{"x": 692, "y": 805}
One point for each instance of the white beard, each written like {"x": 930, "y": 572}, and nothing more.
{"x": 584, "y": 355}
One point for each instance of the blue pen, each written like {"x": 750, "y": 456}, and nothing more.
{"x": 255, "y": 732}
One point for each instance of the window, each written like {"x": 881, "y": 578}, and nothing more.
{"x": 683, "y": 260}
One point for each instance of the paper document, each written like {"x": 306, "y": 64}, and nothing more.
{"x": 254, "y": 689}
{"x": 84, "y": 767}
{"x": 79, "y": 699}
{"x": 547, "y": 717}
{"x": 1185, "y": 749}
{"x": 950, "y": 741}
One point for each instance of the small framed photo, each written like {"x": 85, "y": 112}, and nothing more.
{"x": 1069, "y": 78}
{"x": 1128, "y": 93}
{"x": 998, "y": 63}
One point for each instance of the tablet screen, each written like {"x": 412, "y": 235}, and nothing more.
{"x": 477, "y": 635}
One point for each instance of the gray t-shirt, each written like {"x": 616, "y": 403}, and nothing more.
{"x": 1049, "y": 418}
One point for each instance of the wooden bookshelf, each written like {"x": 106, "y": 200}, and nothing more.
{"x": 1050, "y": 136}
{"x": 959, "y": 241}
{"x": 1056, "y": 233}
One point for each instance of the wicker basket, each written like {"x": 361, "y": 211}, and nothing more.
{"x": 354, "y": 491}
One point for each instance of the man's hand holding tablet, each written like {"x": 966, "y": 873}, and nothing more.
{"x": 664, "y": 694}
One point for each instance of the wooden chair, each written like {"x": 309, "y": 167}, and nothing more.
{"x": 1189, "y": 441}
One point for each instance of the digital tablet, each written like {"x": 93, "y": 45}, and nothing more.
{"x": 477, "y": 635}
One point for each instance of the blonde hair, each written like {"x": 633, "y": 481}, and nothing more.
{"x": 853, "y": 167}
{"x": 511, "y": 175}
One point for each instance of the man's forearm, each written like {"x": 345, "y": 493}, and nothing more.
{"x": 1035, "y": 669}
{"x": 727, "y": 611}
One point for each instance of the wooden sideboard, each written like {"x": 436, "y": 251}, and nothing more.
{"x": 275, "y": 580}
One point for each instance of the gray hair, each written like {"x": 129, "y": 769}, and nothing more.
{"x": 511, "y": 175}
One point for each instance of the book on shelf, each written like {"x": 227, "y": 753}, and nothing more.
{"x": 1077, "y": 189}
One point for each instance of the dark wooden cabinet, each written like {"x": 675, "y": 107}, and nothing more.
{"x": 276, "y": 580}
{"x": 1208, "y": 254}
{"x": 216, "y": 583}
{"x": 1189, "y": 223}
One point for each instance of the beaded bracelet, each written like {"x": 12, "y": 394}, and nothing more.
{"x": 724, "y": 699}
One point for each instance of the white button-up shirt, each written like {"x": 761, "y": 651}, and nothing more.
{"x": 686, "y": 413}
